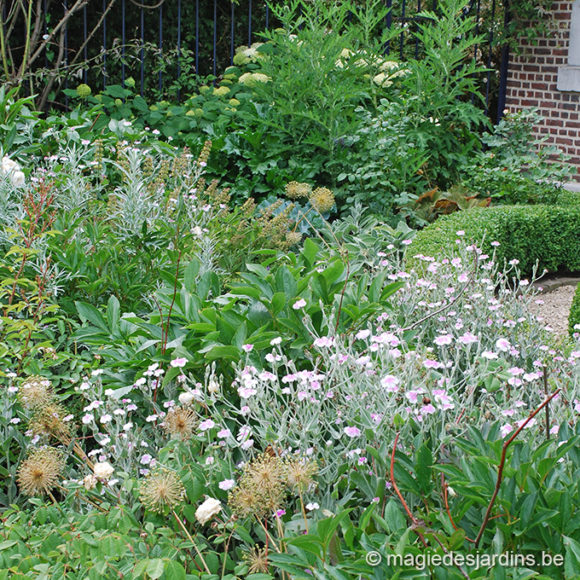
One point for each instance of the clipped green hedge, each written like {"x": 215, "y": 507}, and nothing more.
{"x": 574, "y": 317}
{"x": 549, "y": 234}
{"x": 568, "y": 198}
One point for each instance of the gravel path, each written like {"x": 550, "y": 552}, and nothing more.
{"x": 555, "y": 308}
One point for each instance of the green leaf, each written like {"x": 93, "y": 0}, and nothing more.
{"x": 155, "y": 568}
{"x": 174, "y": 570}
{"x": 113, "y": 313}
{"x": 423, "y": 463}
{"x": 310, "y": 251}
{"x": 90, "y": 313}
{"x": 572, "y": 558}
{"x": 223, "y": 352}
{"x": 278, "y": 302}
{"x": 394, "y": 517}
{"x": 190, "y": 274}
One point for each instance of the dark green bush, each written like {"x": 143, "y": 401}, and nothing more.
{"x": 566, "y": 197}
{"x": 547, "y": 234}
{"x": 574, "y": 317}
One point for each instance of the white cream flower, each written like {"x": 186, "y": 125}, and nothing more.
{"x": 209, "y": 508}
{"x": 90, "y": 481}
{"x": 17, "y": 178}
{"x": 103, "y": 470}
{"x": 186, "y": 398}
{"x": 12, "y": 169}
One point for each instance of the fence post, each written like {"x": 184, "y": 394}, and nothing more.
{"x": 504, "y": 66}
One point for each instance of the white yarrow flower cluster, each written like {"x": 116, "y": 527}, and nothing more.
{"x": 10, "y": 168}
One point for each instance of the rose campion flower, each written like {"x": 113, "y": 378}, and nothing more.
{"x": 226, "y": 484}
{"x": 352, "y": 431}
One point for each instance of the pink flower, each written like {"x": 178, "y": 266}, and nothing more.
{"x": 468, "y": 338}
{"x": 299, "y": 304}
{"x": 246, "y": 392}
{"x": 224, "y": 433}
{"x": 352, "y": 431}
{"x": 444, "y": 339}
{"x": 324, "y": 341}
{"x": 503, "y": 344}
{"x": 506, "y": 429}
{"x": 207, "y": 424}
{"x": 178, "y": 362}
{"x": 247, "y": 347}
{"x": 431, "y": 364}
{"x": 390, "y": 383}
{"x": 412, "y": 396}
{"x": 226, "y": 484}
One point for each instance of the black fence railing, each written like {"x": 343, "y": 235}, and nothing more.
{"x": 165, "y": 46}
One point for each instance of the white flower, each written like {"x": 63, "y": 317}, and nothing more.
{"x": 90, "y": 481}
{"x": 186, "y": 398}
{"x": 226, "y": 484}
{"x": 17, "y": 178}
{"x": 103, "y": 470}
{"x": 9, "y": 165}
{"x": 312, "y": 506}
{"x": 209, "y": 508}
{"x": 178, "y": 362}
{"x": 213, "y": 386}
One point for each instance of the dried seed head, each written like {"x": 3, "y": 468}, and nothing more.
{"x": 300, "y": 473}
{"x": 244, "y": 502}
{"x": 293, "y": 238}
{"x": 35, "y": 392}
{"x": 40, "y": 471}
{"x": 48, "y": 421}
{"x": 180, "y": 423}
{"x": 296, "y": 190}
{"x": 322, "y": 199}
{"x": 161, "y": 491}
{"x": 261, "y": 489}
{"x": 257, "y": 560}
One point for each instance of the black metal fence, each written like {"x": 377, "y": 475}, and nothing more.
{"x": 165, "y": 46}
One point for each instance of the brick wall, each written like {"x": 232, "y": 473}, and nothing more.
{"x": 532, "y": 78}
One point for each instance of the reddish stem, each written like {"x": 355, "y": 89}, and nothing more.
{"x": 502, "y": 464}
{"x": 400, "y": 496}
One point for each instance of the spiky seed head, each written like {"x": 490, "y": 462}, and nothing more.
{"x": 180, "y": 423}
{"x": 40, "y": 471}
{"x": 322, "y": 199}
{"x": 297, "y": 190}
{"x": 48, "y": 421}
{"x": 161, "y": 491}
{"x": 35, "y": 392}
{"x": 300, "y": 473}
{"x": 257, "y": 560}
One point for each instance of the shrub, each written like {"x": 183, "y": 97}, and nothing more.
{"x": 574, "y": 317}
{"x": 566, "y": 197}
{"x": 516, "y": 167}
{"x": 544, "y": 234}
